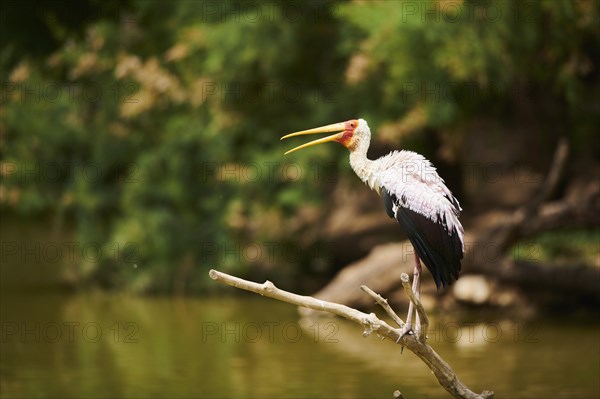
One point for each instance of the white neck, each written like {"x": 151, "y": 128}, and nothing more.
{"x": 363, "y": 166}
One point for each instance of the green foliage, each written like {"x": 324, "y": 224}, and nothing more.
{"x": 560, "y": 247}
{"x": 460, "y": 59}
{"x": 165, "y": 136}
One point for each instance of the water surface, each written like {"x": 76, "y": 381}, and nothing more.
{"x": 108, "y": 345}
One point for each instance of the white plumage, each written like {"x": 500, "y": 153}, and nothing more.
{"x": 411, "y": 178}
{"x": 413, "y": 193}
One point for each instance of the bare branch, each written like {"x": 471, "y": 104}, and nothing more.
{"x": 511, "y": 231}
{"x": 422, "y": 333}
{"x": 442, "y": 371}
{"x": 268, "y": 289}
{"x": 557, "y": 168}
{"x": 384, "y": 304}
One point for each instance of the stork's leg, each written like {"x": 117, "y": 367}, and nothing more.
{"x": 416, "y": 287}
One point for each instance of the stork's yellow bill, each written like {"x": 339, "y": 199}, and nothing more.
{"x": 344, "y": 133}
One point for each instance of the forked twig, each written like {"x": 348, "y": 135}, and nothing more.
{"x": 384, "y": 304}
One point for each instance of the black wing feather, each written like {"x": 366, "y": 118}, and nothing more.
{"x": 441, "y": 252}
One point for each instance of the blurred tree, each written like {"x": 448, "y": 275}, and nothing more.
{"x": 154, "y": 125}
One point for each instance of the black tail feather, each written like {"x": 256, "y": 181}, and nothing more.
{"x": 439, "y": 250}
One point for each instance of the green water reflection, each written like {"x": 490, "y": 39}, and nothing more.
{"x": 100, "y": 345}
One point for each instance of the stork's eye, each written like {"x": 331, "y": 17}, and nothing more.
{"x": 351, "y": 125}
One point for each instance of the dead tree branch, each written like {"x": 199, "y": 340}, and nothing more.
{"x": 384, "y": 304}
{"x": 509, "y": 232}
{"x": 444, "y": 374}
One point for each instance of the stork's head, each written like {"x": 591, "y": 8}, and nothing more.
{"x": 351, "y": 134}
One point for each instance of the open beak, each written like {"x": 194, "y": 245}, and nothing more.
{"x": 336, "y": 127}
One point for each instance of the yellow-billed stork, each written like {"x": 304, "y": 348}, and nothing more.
{"x": 413, "y": 193}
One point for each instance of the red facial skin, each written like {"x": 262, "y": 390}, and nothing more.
{"x": 346, "y": 138}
